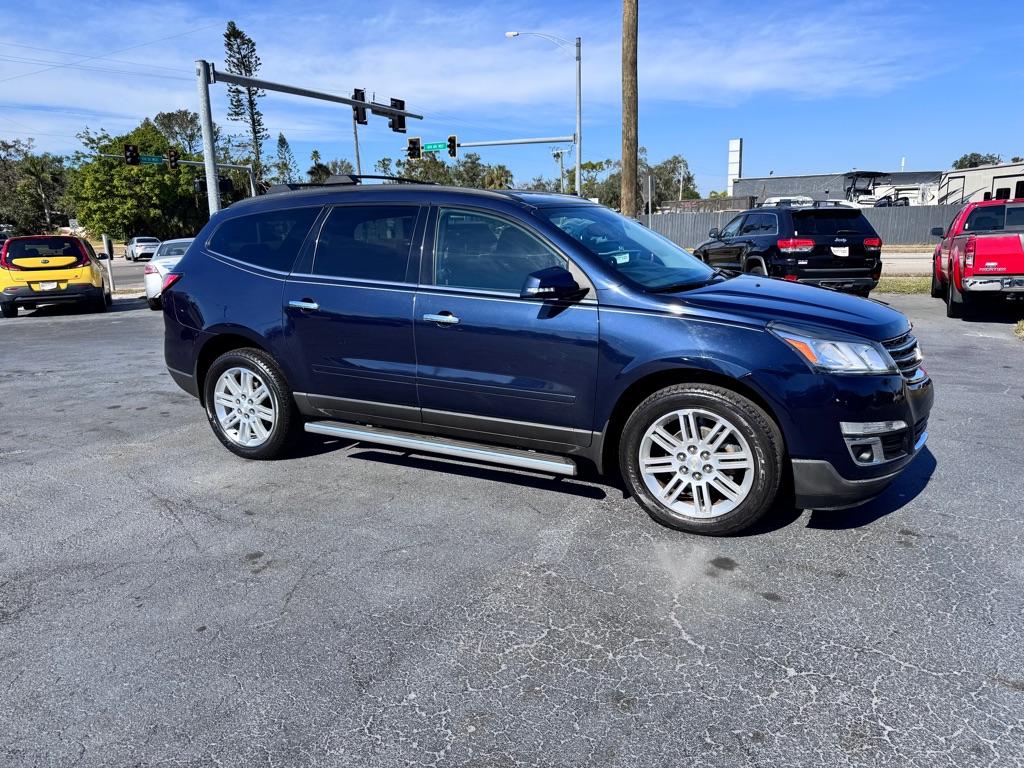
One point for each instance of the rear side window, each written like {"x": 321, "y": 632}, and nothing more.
{"x": 985, "y": 218}
{"x": 832, "y": 223}
{"x": 760, "y": 224}
{"x": 270, "y": 240}
{"x": 369, "y": 242}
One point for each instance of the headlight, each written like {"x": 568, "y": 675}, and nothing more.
{"x": 839, "y": 356}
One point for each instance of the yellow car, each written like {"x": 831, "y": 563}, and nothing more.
{"x": 51, "y": 269}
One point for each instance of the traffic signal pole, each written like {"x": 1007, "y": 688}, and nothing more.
{"x": 502, "y": 142}
{"x": 206, "y": 75}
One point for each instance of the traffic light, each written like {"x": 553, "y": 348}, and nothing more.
{"x": 131, "y": 154}
{"x": 173, "y": 156}
{"x": 415, "y": 149}
{"x": 453, "y": 146}
{"x": 397, "y": 122}
{"x": 360, "y": 112}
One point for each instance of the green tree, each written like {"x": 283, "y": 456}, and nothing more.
{"x": 1017, "y": 159}
{"x": 318, "y": 172}
{"x": 31, "y": 187}
{"x": 122, "y": 200}
{"x": 428, "y": 168}
{"x": 469, "y": 171}
{"x": 240, "y": 58}
{"x": 285, "y": 168}
{"x": 341, "y": 167}
{"x": 974, "y": 159}
{"x": 713, "y": 194}
{"x": 498, "y": 177}
{"x": 384, "y": 167}
{"x": 181, "y": 127}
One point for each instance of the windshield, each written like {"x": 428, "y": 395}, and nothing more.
{"x": 631, "y": 249}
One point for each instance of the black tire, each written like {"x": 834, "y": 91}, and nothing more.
{"x": 99, "y": 304}
{"x": 155, "y": 304}
{"x": 936, "y": 285}
{"x": 749, "y": 420}
{"x": 9, "y": 310}
{"x": 955, "y": 304}
{"x": 287, "y": 427}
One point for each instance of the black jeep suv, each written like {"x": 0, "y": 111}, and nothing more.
{"x": 824, "y": 244}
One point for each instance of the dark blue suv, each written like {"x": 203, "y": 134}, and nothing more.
{"x": 538, "y": 331}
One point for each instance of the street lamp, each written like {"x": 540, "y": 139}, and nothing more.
{"x": 563, "y": 43}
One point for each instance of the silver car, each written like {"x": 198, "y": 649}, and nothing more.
{"x": 164, "y": 260}
{"x": 140, "y": 248}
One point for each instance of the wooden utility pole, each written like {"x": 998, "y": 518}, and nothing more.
{"x": 630, "y": 16}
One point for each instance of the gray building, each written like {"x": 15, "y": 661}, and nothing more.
{"x": 850, "y": 185}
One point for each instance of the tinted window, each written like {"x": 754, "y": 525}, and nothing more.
{"x": 831, "y": 222}
{"x": 478, "y": 251}
{"x": 1003, "y": 193}
{"x": 1018, "y": 191}
{"x": 270, "y": 240}
{"x": 732, "y": 228}
{"x": 760, "y": 224}
{"x": 44, "y": 246}
{"x": 1015, "y": 216}
{"x": 630, "y": 249}
{"x": 986, "y": 217}
{"x": 367, "y": 242}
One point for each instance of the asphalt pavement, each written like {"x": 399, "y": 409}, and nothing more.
{"x": 163, "y": 602}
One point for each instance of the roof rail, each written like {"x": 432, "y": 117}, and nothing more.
{"x": 343, "y": 180}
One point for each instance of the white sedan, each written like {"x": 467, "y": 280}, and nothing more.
{"x": 164, "y": 260}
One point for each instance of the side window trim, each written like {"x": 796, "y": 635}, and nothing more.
{"x": 428, "y": 270}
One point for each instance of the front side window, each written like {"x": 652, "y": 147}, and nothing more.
{"x": 732, "y": 228}
{"x": 629, "y": 248}
{"x": 270, "y": 240}
{"x": 475, "y": 250}
{"x": 366, "y": 242}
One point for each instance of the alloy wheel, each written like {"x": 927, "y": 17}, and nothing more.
{"x": 245, "y": 407}
{"x": 696, "y": 463}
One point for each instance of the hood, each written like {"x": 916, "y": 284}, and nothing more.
{"x": 793, "y": 304}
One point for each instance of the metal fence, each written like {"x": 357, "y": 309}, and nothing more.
{"x": 904, "y": 225}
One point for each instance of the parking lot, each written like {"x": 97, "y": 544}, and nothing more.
{"x": 163, "y": 602}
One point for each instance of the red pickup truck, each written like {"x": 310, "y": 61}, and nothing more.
{"x": 981, "y": 257}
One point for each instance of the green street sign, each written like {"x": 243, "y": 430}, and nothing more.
{"x": 435, "y": 146}
{"x": 152, "y": 159}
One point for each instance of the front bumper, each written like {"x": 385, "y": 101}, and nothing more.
{"x": 817, "y": 484}
{"x": 20, "y": 295}
{"x": 1004, "y": 284}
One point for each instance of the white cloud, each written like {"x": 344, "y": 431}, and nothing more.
{"x": 461, "y": 72}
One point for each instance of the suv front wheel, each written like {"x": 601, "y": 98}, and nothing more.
{"x": 249, "y": 405}
{"x": 702, "y": 458}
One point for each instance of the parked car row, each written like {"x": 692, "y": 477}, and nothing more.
{"x": 540, "y": 331}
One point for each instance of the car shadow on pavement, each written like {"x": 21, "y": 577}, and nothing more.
{"x": 578, "y": 486}
{"x": 1009, "y": 312}
{"x": 905, "y": 488}
{"x": 67, "y": 310}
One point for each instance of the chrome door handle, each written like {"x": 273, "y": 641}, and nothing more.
{"x": 305, "y": 305}
{"x": 443, "y": 319}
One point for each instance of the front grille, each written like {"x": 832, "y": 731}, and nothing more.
{"x": 905, "y": 353}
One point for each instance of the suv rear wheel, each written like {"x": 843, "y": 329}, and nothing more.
{"x": 9, "y": 310}
{"x": 249, "y": 405}
{"x": 702, "y": 459}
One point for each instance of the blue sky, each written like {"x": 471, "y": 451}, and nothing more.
{"x": 810, "y": 86}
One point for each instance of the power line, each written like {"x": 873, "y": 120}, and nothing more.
{"x": 23, "y": 60}
{"x": 119, "y": 50}
{"x": 8, "y": 43}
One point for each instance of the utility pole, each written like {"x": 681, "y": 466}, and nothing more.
{"x": 355, "y": 134}
{"x": 630, "y": 23}
{"x": 579, "y": 120}
{"x": 559, "y": 154}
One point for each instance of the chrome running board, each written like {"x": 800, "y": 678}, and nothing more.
{"x": 509, "y": 457}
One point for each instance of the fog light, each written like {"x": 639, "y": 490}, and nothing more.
{"x": 858, "y": 428}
